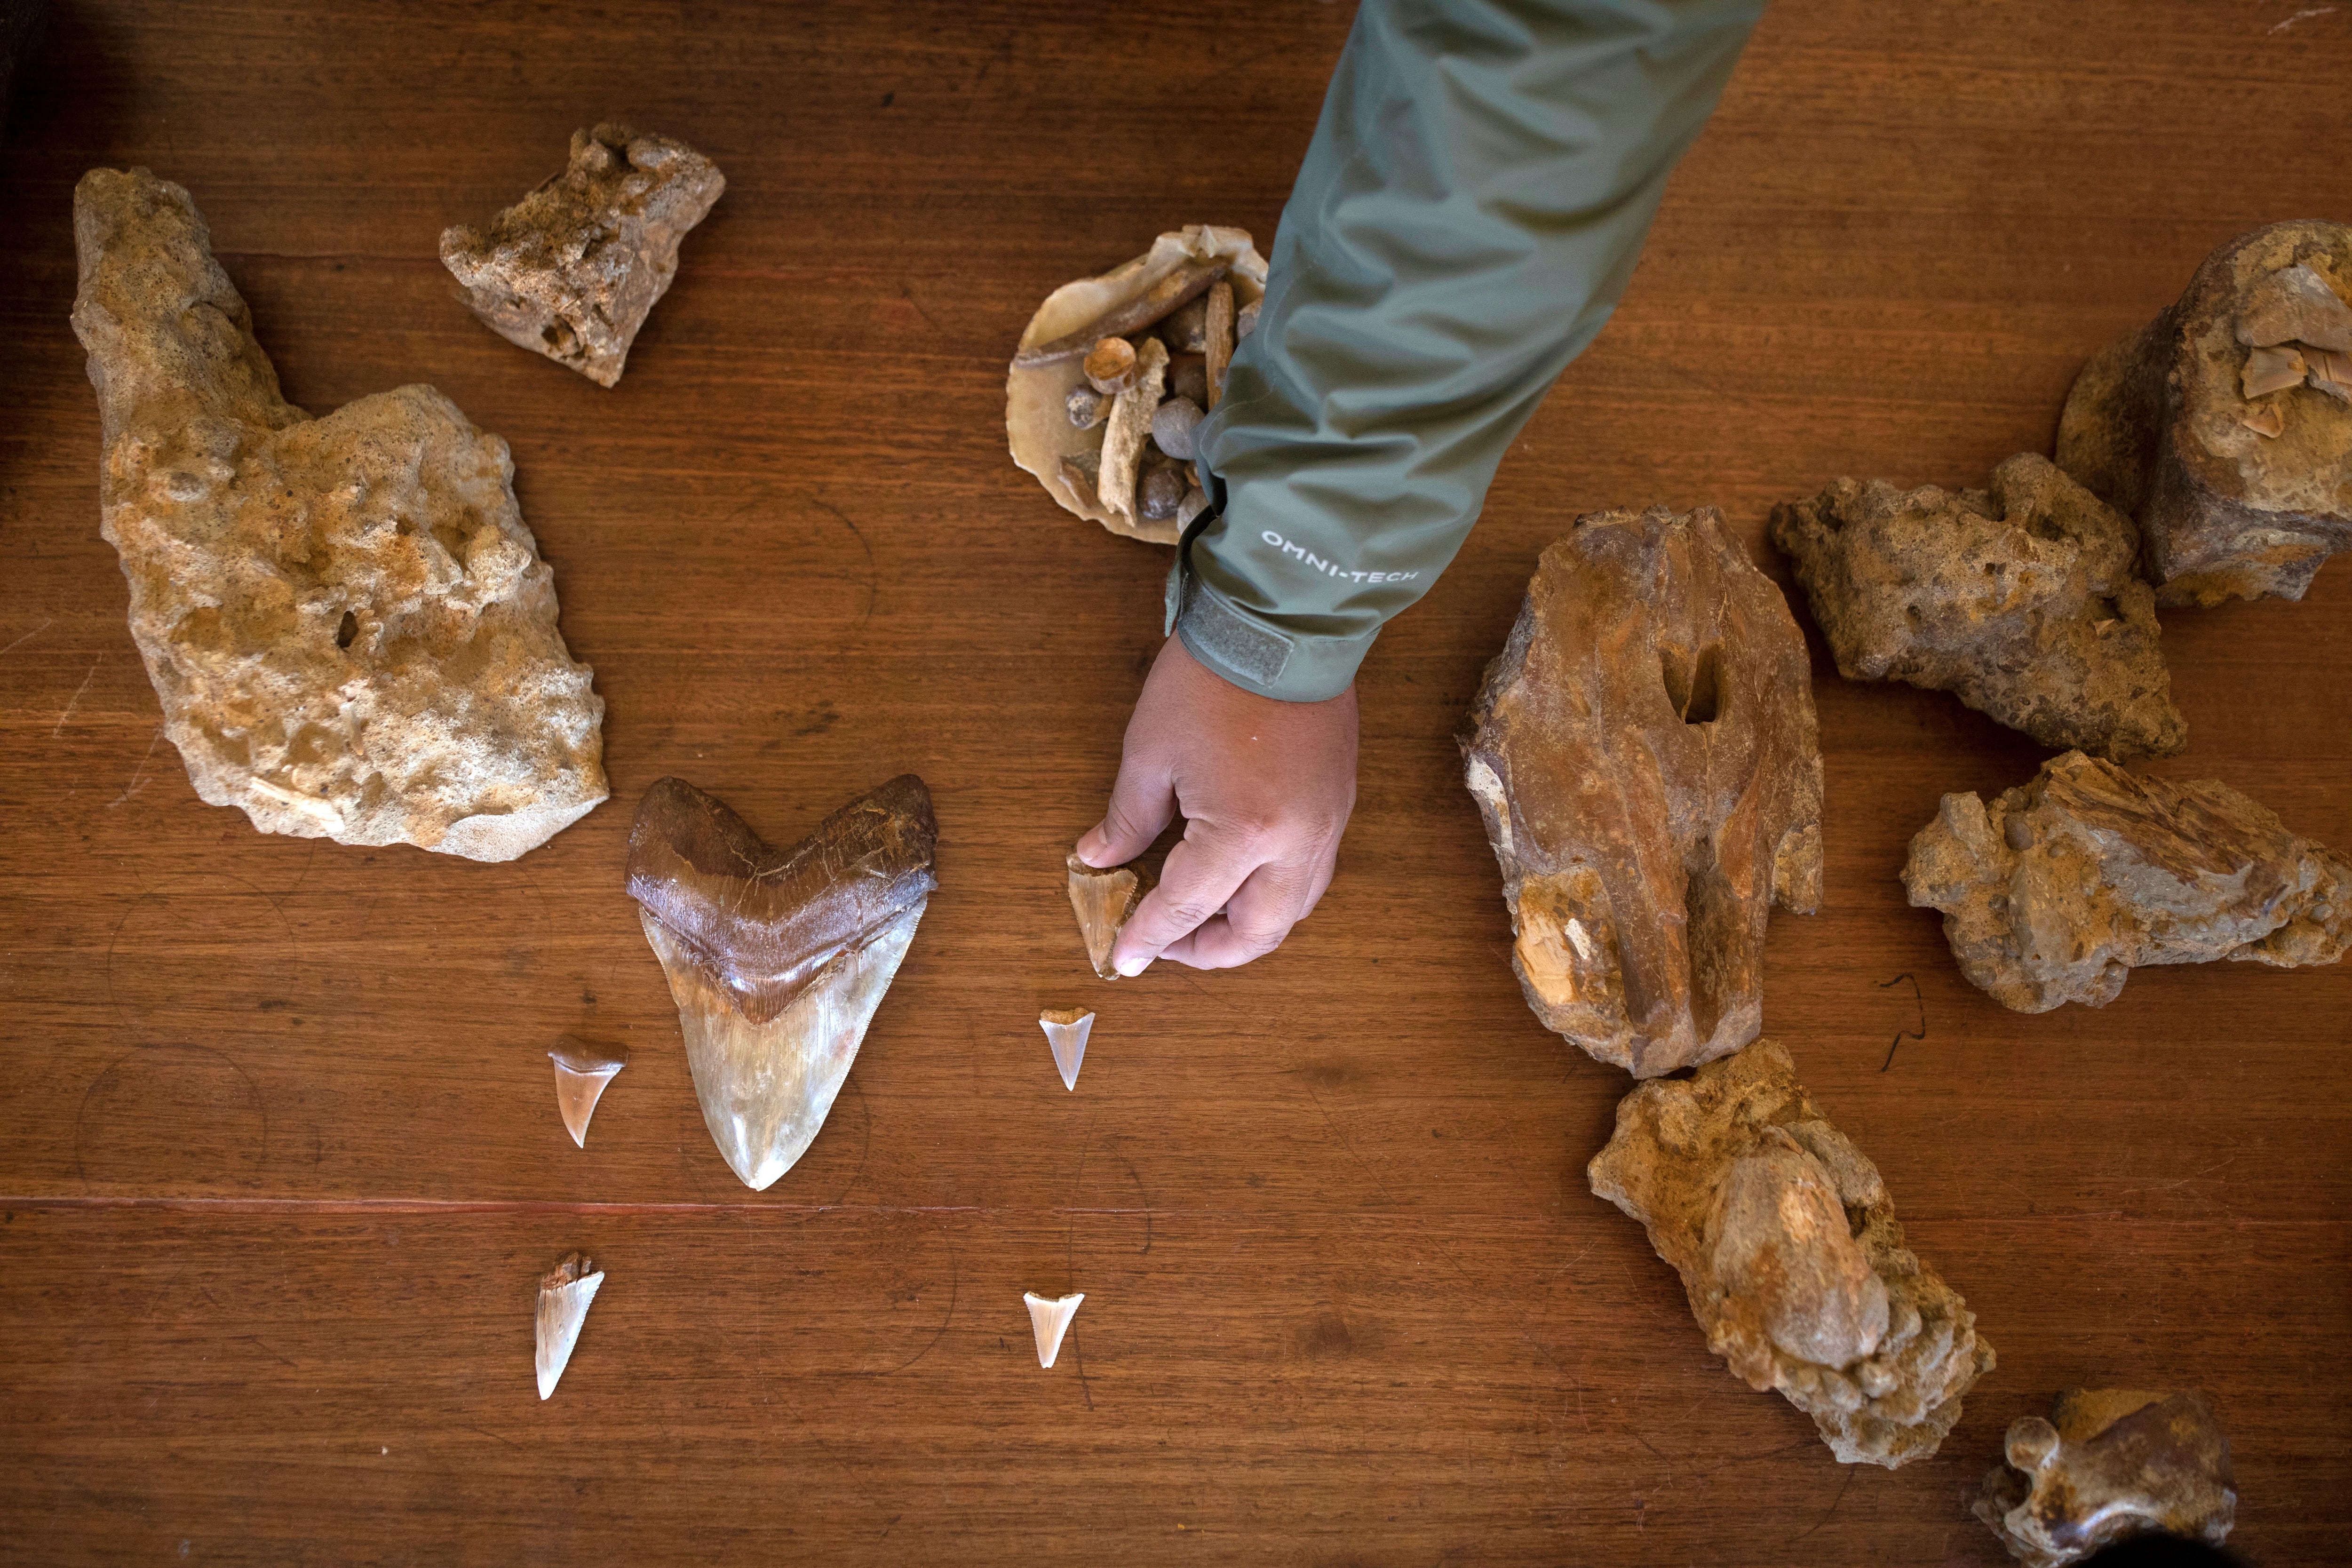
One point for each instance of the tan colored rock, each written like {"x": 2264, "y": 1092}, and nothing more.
{"x": 346, "y": 620}
{"x": 2109, "y": 1465}
{"x": 1647, "y": 762}
{"x": 1789, "y": 1249}
{"x": 2023, "y": 601}
{"x": 2063, "y": 886}
{"x": 2156, "y": 425}
{"x": 573, "y": 269}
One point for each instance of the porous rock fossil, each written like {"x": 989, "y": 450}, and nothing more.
{"x": 565, "y": 1293}
{"x": 1646, "y": 761}
{"x": 573, "y": 269}
{"x": 777, "y": 958}
{"x": 581, "y": 1072}
{"x": 2110, "y": 1464}
{"x": 2063, "y": 886}
{"x": 2238, "y": 493}
{"x": 1104, "y": 901}
{"x": 1049, "y": 1320}
{"x": 348, "y": 623}
{"x": 1067, "y": 1029}
{"x": 1789, "y": 1249}
{"x": 2023, "y": 600}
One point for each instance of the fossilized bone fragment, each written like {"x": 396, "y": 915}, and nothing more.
{"x": 582, "y": 1071}
{"x": 2023, "y": 600}
{"x": 2167, "y": 426}
{"x": 1066, "y": 1032}
{"x": 564, "y": 1295}
{"x": 2063, "y": 886}
{"x": 2108, "y": 1465}
{"x": 1049, "y": 1320}
{"x": 1144, "y": 303}
{"x": 777, "y": 958}
{"x": 1647, "y": 762}
{"x": 573, "y": 269}
{"x": 346, "y": 620}
{"x": 1104, "y": 901}
{"x": 1218, "y": 337}
{"x": 1126, "y": 430}
{"x": 1789, "y": 1249}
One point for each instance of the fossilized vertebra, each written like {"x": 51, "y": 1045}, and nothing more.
{"x": 1066, "y": 1033}
{"x": 2023, "y": 601}
{"x": 2156, "y": 424}
{"x": 1104, "y": 901}
{"x": 347, "y": 624}
{"x": 582, "y": 1071}
{"x": 1646, "y": 762}
{"x": 777, "y": 958}
{"x": 573, "y": 269}
{"x": 1049, "y": 1320}
{"x": 564, "y": 1294}
{"x": 2108, "y": 1465}
{"x": 1791, "y": 1256}
{"x": 2062, "y": 885}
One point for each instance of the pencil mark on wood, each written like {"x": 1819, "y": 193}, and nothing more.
{"x": 1902, "y": 1035}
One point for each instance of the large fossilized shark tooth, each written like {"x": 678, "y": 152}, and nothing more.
{"x": 1049, "y": 1320}
{"x": 1066, "y": 1032}
{"x": 564, "y": 1294}
{"x": 1104, "y": 901}
{"x": 582, "y": 1071}
{"x": 777, "y": 958}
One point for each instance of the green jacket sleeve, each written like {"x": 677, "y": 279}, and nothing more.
{"x": 1467, "y": 216}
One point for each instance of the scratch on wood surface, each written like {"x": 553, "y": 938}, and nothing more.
{"x": 28, "y": 636}
{"x": 2303, "y": 17}
{"x": 139, "y": 778}
{"x": 76, "y": 702}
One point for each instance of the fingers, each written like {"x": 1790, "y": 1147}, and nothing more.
{"x": 1200, "y": 876}
{"x": 1256, "y": 919}
{"x": 1142, "y": 803}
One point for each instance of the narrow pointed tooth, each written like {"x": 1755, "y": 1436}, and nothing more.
{"x": 582, "y": 1071}
{"x": 564, "y": 1294}
{"x": 1104, "y": 901}
{"x": 1066, "y": 1032}
{"x": 1050, "y": 1319}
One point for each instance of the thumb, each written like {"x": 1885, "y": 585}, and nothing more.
{"x": 1142, "y": 803}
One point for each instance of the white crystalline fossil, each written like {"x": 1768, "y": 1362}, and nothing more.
{"x": 582, "y": 1071}
{"x": 1066, "y": 1031}
{"x": 564, "y": 1294}
{"x": 1050, "y": 1319}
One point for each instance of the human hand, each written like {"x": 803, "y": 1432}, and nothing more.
{"x": 1265, "y": 788}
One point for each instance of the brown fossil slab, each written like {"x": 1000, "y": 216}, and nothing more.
{"x": 346, "y": 620}
{"x": 2236, "y": 496}
{"x": 2108, "y": 1465}
{"x": 1104, "y": 901}
{"x": 573, "y": 269}
{"x": 1645, "y": 758}
{"x": 2023, "y": 600}
{"x": 2063, "y": 886}
{"x": 1789, "y": 1249}
{"x": 778, "y": 958}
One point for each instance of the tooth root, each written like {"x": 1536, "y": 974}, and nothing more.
{"x": 582, "y": 1071}
{"x": 1104, "y": 901}
{"x": 564, "y": 1294}
{"x": 1066, "y": 1032}
{"x": 1050, "y": 1319}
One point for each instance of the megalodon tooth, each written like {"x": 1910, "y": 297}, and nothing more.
{"x": 582, "y": 1071}
{"x": 564, "y": 1294}
{"x": 1105, "y": 901}
{"x": 777, "y": 958}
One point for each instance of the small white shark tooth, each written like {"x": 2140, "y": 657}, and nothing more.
{"x": 1066, "y": 1031}
{"x": 1050, "y": 1319}
{"x": 582, "y": 1071}
{"x": 1105, "y": 900}
{"x": 564, "y": 1293}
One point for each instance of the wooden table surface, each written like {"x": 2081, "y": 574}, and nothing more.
{"x": 279, "y": 1160}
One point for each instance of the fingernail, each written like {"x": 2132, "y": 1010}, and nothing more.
{"x": 1131, "y": 967}
{"x": 1090, "y": 845}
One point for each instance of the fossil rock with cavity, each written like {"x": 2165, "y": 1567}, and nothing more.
{"x": 1789, "y": 1249}
{"x": 2023, "y": 600}
{"x": 573, "y": 269}
{"x": 2110, "y": 1464}
{"x": 348, "y": 623}
{"x": 2063, "y": 886}
{"x": 1645, "y": 758}
{"x": 2239, "y": 475}
{"x": 777, "y": 958}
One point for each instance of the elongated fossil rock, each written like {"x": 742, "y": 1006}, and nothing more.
{"x": 349, "y": 625}
{"x": 2063, "y": 886}
{"x": 1049, "y": 1320}
{"x": 2023, "y": 601}
{"x": 565, "y": 1294}
{"x": 2240, "y": 485}
{"x": 1647, "y": 762}
{"x": 581, "y": 1073}
{"x": 777, "y": 958}
{"x": 2109, "y": 1465}
{"x": 1789, "y": 1249}
{"x": 573, "y": 269}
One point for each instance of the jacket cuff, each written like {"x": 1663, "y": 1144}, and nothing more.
{"x": 1251, "y": 650}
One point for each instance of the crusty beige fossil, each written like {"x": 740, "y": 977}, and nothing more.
{"x": 2240, "y": 479}
{"x": 1647, "y": 762}
{"x": 2108, "y": 1465}
{"x": 2060, "y": 888}
{"x": 1067, "y": 1029}
{"x": 348, "y": 623}
{"x": 573, "y": 269}
{"x": 1791, "y": 1256}
{"x": 2023, "y": 600}
{"x": 581, "y": 1072}
{"x": 1049, "y": 1320}
{"x": 565, "y": 1292}
{"x": 1131, "y": 301}
{"x": 778, "y": 958}
{"x": 1104, "y": 901}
